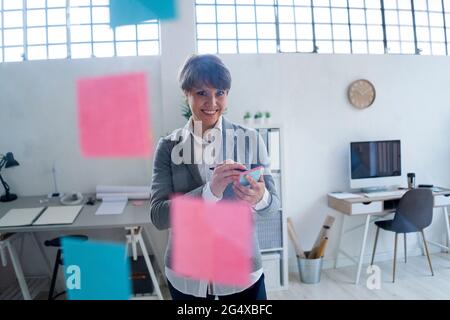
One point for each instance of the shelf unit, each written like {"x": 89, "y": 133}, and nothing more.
{"x": 272, "y": 234}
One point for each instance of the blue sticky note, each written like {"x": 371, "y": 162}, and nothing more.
{"x": 96, "y": 270}
{"x": 254, "y": 173}
{"x": 135, "y": 11}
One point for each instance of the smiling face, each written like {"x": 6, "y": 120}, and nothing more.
{"x": 207, "y": 104}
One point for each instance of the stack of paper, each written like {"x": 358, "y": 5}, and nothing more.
{"x": 130, "y": 192}
{"x": 112, "y": 205}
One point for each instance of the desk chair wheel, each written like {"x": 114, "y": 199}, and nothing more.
{"x": 56, "y": 242}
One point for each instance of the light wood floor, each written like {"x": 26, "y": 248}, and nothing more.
{"x": 413, "y": 281}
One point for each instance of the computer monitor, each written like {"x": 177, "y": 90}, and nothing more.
{"x": 375, "y": 165}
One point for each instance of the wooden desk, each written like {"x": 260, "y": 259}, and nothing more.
{"x": 373, "y": 208}
{"x": 133, "y": 220}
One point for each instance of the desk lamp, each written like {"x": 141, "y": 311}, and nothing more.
{"x": 7, "y": 161}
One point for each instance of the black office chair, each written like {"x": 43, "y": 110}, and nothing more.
{"x": 59, "y": 261}
{"x": 414, "y": 213}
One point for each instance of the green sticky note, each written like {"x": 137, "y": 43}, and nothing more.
{"x": 126, "y": 12}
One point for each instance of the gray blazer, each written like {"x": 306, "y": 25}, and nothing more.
{"x": 169, "y": 178}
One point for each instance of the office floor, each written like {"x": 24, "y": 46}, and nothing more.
{"x": 413, "y": 281}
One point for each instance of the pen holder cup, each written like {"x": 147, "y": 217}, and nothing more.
{"x": 309, "y": 269}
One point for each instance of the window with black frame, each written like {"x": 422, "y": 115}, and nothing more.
{"x": 59, "y": 29}
{"x": 323, "y": 26}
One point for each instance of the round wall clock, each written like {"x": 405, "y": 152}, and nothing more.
{"x": 361, "y": 93}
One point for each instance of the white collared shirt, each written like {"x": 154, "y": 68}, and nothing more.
{"x": 200, "y": 288}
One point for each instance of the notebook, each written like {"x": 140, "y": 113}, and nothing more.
{"x": 59, "y": 215}
{"x": 20, "y": 217}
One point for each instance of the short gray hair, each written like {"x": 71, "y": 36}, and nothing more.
{"x": 204, "y": 69}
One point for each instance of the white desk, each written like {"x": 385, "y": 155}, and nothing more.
{"x": 133, "y": 219}
{"x": 373, "y": 209}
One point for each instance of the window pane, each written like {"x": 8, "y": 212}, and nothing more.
{"x": 323, "y": 31}
{"x": 148, "y": 31}
{"x": 80, "y": 15}
{"x": 246, "y": 14}
{"x": 57, "y": 51}
{"x": 226, "y": 14}
{"x": 205, "y": 14}
{"x": 36, "y": 18}
{"x": 246, "y": 46}
{"x": 35, "y": 4}
{"x": 104, "y": 49}
{"x": 206, "y": 31}
{"x": 339, "y": 15}
{"x": 228, "y": 31}
{"x": 80, "y": 33}
{"x": 286, "y": 14}
{"x": 438, "y": 49}
{"x": 359, "y": 47}
{"x": 12, "y": 4}
{"x": 207, "y": 46}
{"x": 36, "y": 36}
{"x": 288, "y": 46}
{"x": 227, "y": 46}
{"x": 342, "y": 47}
{"x": 56, "y": 3}
{"x": 12, "y": 19}
{"x": 265, "y": 14}
{"x": 325, "y": 46}
{"x": 147, "y": 48}
{"x": 126, "y": 33}
{"x": 57, "y": 35}
{"x": 13, "y": 37}
{"x": 37, "y": 53}
{"x": 13, "y": 54}
{"x": 267, "y": 46}
{"x": 103, "y": 33}
{"x": 341, "y": 32}
{"x": 246, "y": 31}
{"x": 100, "y": 15}
{"x": 305, "y": 46}
{"x": 376, "y": 47}
{"x": 287, "y": 31}
{"x": 82, "y": 50}
{"x": 56, "y": 16}
{"x": 267, "y": 31}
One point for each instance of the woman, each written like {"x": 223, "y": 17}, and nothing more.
{"x": 186, "y": 164}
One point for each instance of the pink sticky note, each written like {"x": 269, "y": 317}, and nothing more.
{"x": 113, "y": 116}
{"x": 212, "y": 241}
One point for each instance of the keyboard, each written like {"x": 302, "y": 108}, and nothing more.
{"x": 393, "y": 193}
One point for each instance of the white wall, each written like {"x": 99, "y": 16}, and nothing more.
{"x": 39, "y": 125}
{"x": 304, "y": 92}
{"x": 307, "y": 95}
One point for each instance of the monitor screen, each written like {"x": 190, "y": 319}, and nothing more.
{"x": 373, "y": 159}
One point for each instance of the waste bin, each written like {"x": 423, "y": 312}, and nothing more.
{"x": 309, "y": 269}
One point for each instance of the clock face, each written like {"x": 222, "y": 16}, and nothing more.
{"x": 361, "y": 94}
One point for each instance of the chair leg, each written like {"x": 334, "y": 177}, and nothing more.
{"x": 375, "y": 245}
{"x": 404, "y": 241}
{"x": 395, "y": 257}
{"x": 55, "y": 275}
{"x": 428, "y": 254}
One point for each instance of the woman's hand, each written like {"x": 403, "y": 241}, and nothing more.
{"x": 251, "y": 195}
{"x": 223, "y": 175}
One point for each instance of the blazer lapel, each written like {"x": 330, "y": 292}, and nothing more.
{"x": 192, "y": 168}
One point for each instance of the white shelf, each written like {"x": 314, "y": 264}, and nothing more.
{"x": 274, "y": 144}
{"x": 271, "y": 250}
